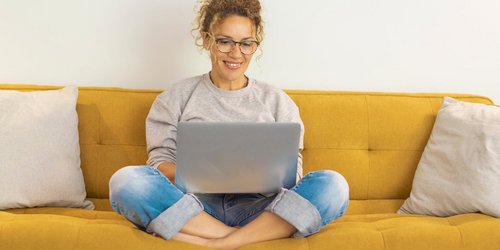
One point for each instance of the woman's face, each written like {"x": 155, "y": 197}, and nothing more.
{"x": 229, "y": 68}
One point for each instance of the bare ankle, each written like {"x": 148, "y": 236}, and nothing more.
{"x": 190, "y": 239}
{"x": 230, "y": 231}
{"x": 221, "y": 244}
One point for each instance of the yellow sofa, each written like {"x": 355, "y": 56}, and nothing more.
{"x": 374, "y": 139}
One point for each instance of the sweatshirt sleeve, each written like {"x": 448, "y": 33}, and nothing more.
{"x": 161, "y": 131}
{"x": 289, "y": 112}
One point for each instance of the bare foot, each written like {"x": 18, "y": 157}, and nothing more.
{"x": 220, "y": 244}
{"x": 190, "y": 239}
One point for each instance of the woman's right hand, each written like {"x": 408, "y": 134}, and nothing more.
{"x": 168, "y": 170}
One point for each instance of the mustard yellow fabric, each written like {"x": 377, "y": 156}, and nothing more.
{"x": 374, "y": 139}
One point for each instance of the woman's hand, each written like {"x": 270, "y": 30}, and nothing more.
{"x": 168, "y": 170}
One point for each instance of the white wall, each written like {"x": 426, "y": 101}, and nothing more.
{"x": 360, "y": 45}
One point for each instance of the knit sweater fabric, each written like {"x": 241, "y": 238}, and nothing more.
{"x": 198, "y": 99}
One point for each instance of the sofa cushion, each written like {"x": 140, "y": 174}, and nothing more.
{"x": 39, "y": 150}
{"x": 392, "y": 231}
{"x": 376, "y": 231}
{"x": 459, "y": 171}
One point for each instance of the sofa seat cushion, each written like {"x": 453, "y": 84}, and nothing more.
{"x": 50, "y": 231}
{"x": 62, "y": 228}
{"x": 71, "y": 212}
{"x": 393, "y": 231}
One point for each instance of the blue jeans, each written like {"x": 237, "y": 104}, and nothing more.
{"x": 149, "y": 200}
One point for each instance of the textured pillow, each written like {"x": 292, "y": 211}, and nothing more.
{"x": 39, "y": 150}
{"x": 459, "y": 171}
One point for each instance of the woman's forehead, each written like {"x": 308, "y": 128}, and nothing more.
{"x": 235, "y": 27}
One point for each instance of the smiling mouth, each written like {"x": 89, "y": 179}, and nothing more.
{"x": 232, "y": 65}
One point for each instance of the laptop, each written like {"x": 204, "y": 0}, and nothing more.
{"x": 236, "y": 157}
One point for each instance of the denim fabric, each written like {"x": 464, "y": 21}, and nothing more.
{"x": 235, "y": 210}
{"x": 172, "y": 220}
{"x": 317, "y": 199}
{"x": 150, "y": 201}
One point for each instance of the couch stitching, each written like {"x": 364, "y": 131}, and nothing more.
{"x": 364, "y": 149}
{"x": 387, "y": 94}
{"x": 99, "y": 154}
{"x": 1, "y": 232}
{"x": 381, "y": 234}
{"x": 77, "y": 241}
{"x": 430, "y": 106}
{"x": 299, "y": 105}
{"x": 99, "y": 116}
{"x": 369, "y": 146}
{"x": 308, "y": 244}
{"x": 462, "y": 243}
{"x": 121, "y": 90}
{"x": 360, "y": 149}
{"x": 383, "y": 239}
{"x": 114, "y": 144}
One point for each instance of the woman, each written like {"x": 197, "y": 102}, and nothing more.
{"x": 231, "y": 31}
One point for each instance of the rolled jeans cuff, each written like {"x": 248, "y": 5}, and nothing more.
{"x": 172, "y": 220}
{"x": 297, "y": 211}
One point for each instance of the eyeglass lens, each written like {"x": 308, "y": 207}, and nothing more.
{"x": 227, "y": 45}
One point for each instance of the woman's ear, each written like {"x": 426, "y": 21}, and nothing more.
{"x": 206, "y": 40}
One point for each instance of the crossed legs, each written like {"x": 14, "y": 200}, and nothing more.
{"x": 303, "y": 205}
{"x": 205, "y": 230}
{"x": 150, "y": 201}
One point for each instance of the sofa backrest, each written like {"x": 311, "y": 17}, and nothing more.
{"x": 374, "y": 139}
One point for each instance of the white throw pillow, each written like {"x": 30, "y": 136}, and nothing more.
{"x": 459, "y": 171}
{"x": 39, "y": 150}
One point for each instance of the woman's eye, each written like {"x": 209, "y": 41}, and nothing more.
{"x": 224, "y": 42}
{"x": 247, "y": 44}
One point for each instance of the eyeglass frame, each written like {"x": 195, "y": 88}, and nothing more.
{"x": 234, "y": 43}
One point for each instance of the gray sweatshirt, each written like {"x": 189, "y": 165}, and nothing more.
{"x": 198, "y": 99}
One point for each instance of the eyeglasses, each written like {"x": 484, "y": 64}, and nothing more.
{"x": 226, "y": 45}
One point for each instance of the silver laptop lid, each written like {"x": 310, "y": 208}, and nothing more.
{"x": 236, "y": 157}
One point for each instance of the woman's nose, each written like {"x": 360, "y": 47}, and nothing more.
{"x": 236, "y": 52}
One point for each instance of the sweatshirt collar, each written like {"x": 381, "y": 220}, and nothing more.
{"x": 227, "y": 93}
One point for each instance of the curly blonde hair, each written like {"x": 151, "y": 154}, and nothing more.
{"x": 212, "y": 12}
